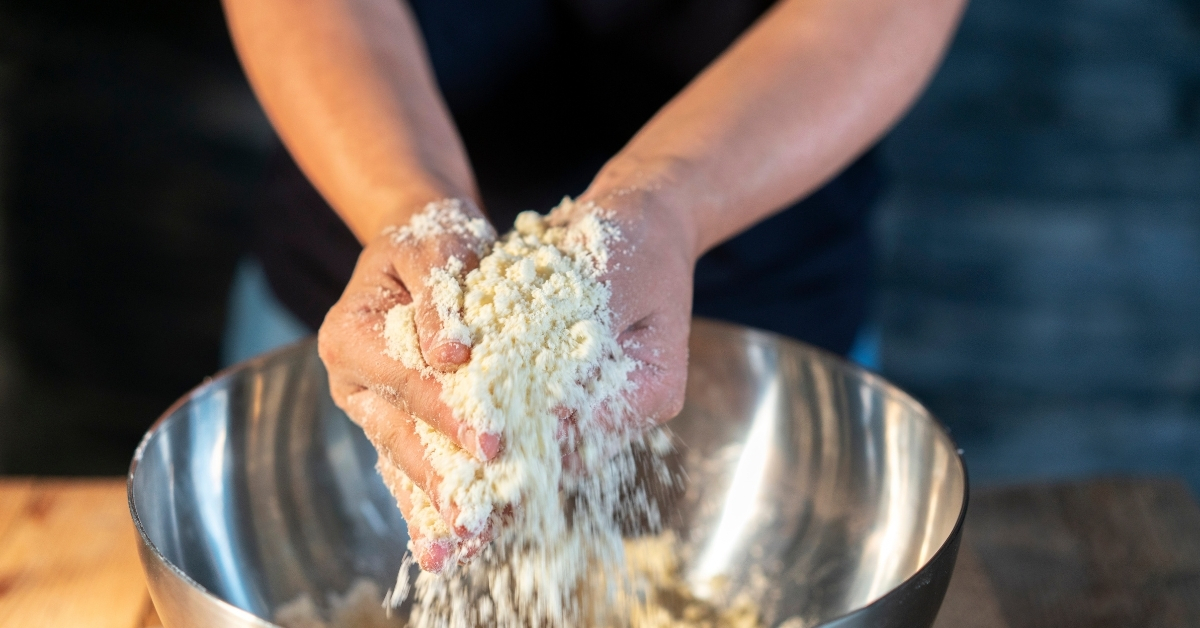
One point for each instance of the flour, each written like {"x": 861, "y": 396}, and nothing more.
{"x": 656, "y": 596}
{"x": 537, "y": 317}
{"x": 661, "y": 597}
{"x": 359, "y": 607}
{"x": 440, "y": 218}
{"x": 446, "y": 293}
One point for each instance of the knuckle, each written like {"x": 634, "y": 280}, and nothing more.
{"x": 672, "y": 393}
{"x": 673, "y": 406}
{"x": 327, "y": 345}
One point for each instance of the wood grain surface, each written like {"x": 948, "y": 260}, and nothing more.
{"x": 68, "y": 556}
{"x": 14, "y": 494}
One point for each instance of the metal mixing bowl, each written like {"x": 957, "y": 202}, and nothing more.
{"x": 826, "y": 493}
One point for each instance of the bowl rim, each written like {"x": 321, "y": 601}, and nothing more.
{"x": 761, "y": 336}
{"x": 138, "y": 453}
{"x": 951, "y": 542}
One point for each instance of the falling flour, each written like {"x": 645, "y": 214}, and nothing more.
{"x": 661, "y": 597}
{"x": 359, "y": 607}
{"x": 537, "y": 317}
{"x": 656, "y": 596}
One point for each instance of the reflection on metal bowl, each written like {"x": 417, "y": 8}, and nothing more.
{"x": 826, "y": 494}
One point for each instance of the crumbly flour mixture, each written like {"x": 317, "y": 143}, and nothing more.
{"x": 536, "y": 315}
{"x": 359, "y": 607}
{"x": 655, "y": 597}
{"x": 664, "y": 600}
{"x": 537, "y": 319}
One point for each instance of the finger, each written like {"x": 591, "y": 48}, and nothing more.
{"x": 440, "y": 245}
{"x": 393, "y": 433}
{"x": 657, "y": 383}
{"x": 655, "y": 390}
{"x": 568, "y": 428}
{"x": 470, "y": 547}
{"x": 352, "y": 345}
{"x": 567, "y": 434}
{"x": 432, "y": 553}
{"x": 435, "y": 276}
{"x": 395, "y": 436}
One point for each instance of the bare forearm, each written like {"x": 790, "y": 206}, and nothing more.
{"x": 799, "y": 96}
{"x": 348, "y": 86}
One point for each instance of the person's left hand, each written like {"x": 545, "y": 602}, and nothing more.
{"x": 649, "y": 273}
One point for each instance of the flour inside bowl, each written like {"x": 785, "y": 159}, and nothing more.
{"x": 654, "y": 596}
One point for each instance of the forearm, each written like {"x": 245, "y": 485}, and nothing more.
{"x": 348, "y": 87}
{"x": 799, "y": 96}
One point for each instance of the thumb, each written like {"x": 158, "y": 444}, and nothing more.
{"x": 439, "y": 246}
{"x": 658, "y": 345}
{"x": 444, "y": 338}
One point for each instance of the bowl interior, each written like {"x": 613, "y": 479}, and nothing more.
{"x": 809, "y": 484}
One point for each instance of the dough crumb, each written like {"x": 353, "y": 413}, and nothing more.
{"x": 440, "y": 218}
{"x": 361, "y": 606}
{"x": 658, "y": 597}
{"x": 662, "y": 599}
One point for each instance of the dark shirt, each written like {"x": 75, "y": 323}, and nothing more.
{"x": 543, "y": 93}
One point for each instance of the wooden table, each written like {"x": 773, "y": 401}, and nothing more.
{"x": 1095, "y": 554}
{"x": 68, "y": 556}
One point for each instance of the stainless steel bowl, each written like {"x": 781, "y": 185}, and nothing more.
{"x": 825, "y": 492}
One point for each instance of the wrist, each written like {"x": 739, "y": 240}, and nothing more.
{"x": 399, "y": 211}
{"x": 648, "y": 192}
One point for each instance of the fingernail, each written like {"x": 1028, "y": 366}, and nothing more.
{"x": 452, "y": 354}
{"x": 432, "y": 555}
{"x": 489, "y": 445}
{"x": 483, "y": 446}
{"x": 463, "y": 533}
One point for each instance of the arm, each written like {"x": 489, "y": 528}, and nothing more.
{"x": 349, "y": 89}
{"x": 800, "y": 95}
{"x": 797, "y": 98}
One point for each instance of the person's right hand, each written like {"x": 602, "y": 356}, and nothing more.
{"x": 384, "y": 397}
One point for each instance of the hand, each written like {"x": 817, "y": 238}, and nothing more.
{"x": 383, "y": 396}
{"x": 650, "y": 273}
